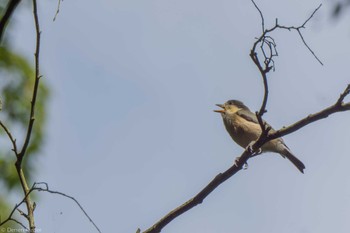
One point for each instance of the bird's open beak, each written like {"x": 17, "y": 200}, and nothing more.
{"x": 220, "y": 110}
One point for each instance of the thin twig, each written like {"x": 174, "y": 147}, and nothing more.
{"x": 343, "y": 95}
{"x": 261, "y": 15}
{"x": 9, "y": 218}
{"x": 266, "y": 39}
{"x": 339, "y": 106}
{"x": 46, "y": 189}
{"x": 308, "y": 47}
{"x": 13, "y": 141}
{"x": 16, "y": 221}
{"x": 19, "y": 223}
{"x": 312, "y": 15}
{"x": 58, "y": 9}
{"x": 23, "y": 214}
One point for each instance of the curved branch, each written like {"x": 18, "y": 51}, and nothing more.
{"x": 13, "y": 140}
{"x": 261, "y": 16}
{"x": 45, "y": 189}
{"x": 267, "y": 40}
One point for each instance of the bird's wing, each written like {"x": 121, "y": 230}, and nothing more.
{"x": 249, "y": 116}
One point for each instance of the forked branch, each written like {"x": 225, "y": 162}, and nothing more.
{"x": 20, "y": 155}
{"x": 45, "y": 188}
{"x": 268, "y": 49}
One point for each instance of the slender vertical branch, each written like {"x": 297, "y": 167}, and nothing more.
{"x": 21, "y": 154}
{"x": 261, "y": 15}
{"x": 36, "y": 83}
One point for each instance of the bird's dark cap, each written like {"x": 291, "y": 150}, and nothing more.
{"x": 237, "y": 103}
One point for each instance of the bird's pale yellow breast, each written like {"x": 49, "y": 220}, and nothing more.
{"x": 242, "y": 131}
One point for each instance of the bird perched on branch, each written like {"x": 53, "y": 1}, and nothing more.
{"x": 244, "y": 128}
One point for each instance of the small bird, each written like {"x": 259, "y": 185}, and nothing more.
{"x": 244, "y": 128}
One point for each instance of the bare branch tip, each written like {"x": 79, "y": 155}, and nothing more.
{"x": 343, "y": 95}
{"x": 58, "y": 10}
{"x": 348, "y": 87}
{"x": 261, "y": 16}
{"x": 22, "y": 213}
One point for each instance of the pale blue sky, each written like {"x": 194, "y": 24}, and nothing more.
{"x": 132, "y": 134}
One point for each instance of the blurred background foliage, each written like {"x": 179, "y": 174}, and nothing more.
{"x": 16, "y": 88}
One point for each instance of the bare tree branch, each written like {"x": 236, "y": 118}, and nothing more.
{"x": 266, "y": 39}
{"x": 21, "y": 154}
{"x": 312, "y": 15}
{"x": 19, "y": 223}
{"x": 199, "y": 198}
{"x": 16, "y": 221}
{"x": 339, "y": 106}
{"x": 9, "y": 218}
{"x": 13, "y": 141}
{"x": 46, "y": 189}
{"x": 261, "y": 15}
{"x": 35, "y": 187}
{"x": 58, "y": 9}
{"x": 343, "y": 95}
{"x": 36, "y": 83}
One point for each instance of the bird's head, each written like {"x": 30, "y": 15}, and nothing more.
{"x": 231, "y": 107}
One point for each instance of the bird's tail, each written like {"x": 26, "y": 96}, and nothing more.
{"x": 288, "y": 154}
